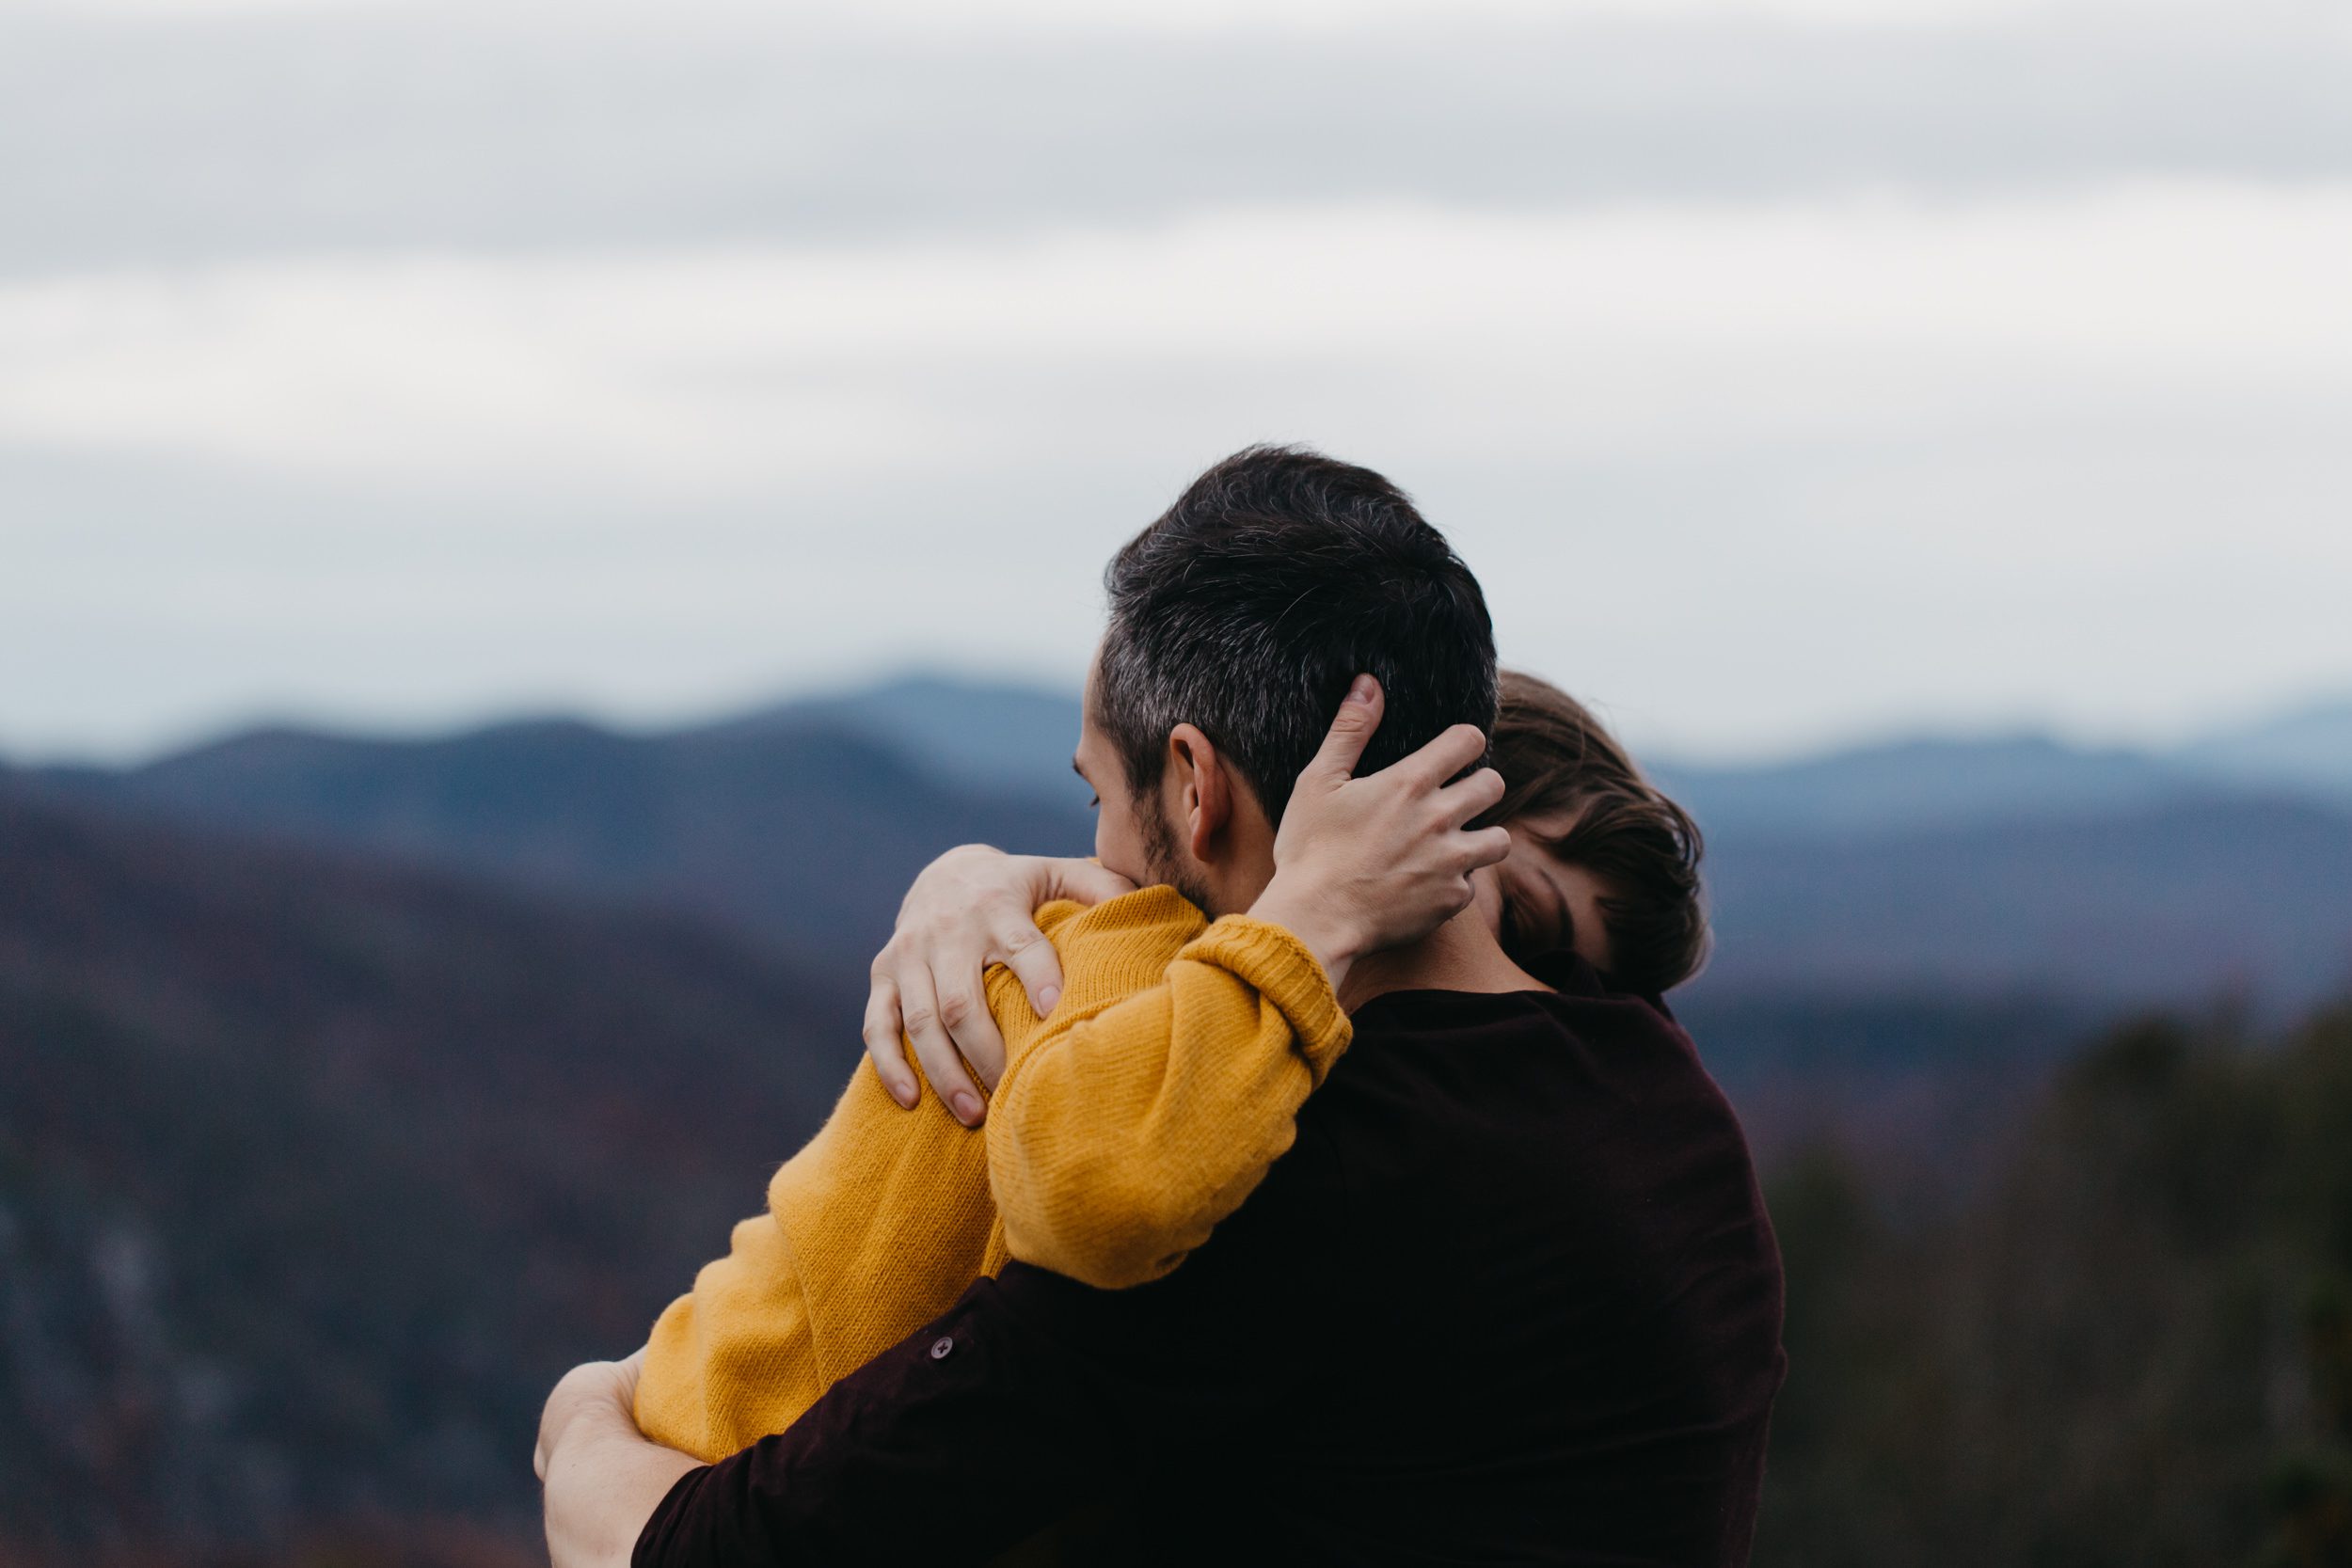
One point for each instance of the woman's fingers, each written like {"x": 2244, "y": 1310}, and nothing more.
{"x": 1445, "y": 757}
{"x": 960, "y": 978}
{"x": 910, "y": 1001}
{"x": 885, "y": 1041}
{"x": 1022, "y": 949}
{"x": 1488, "y": 847}
{"x": 1351, "y": 732}
{"x": 1482, "y": 791}
{"x": 918, "y": 1007}
{"x": 969, "y": 909}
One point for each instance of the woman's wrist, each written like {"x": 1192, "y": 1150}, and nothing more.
{"x": 1336, "y": 942}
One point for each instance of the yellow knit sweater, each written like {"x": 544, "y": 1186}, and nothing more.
{"x": 1141, "y": 1112}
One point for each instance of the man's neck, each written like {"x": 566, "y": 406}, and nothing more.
{"x": 1460, "y": 955}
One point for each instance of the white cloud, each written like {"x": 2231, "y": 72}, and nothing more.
{"x": 375, "y": 127}
{"x": 1188, "y": 16}
{"x": 1605, "y": 334}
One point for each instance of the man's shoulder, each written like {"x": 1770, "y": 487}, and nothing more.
{"x": 1414, "y": 1026}
{"x": 1460, "y": 1069}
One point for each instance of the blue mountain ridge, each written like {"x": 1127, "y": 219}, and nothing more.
{"x": 1019, "y": 738}
{"x": 1982, "y": 865}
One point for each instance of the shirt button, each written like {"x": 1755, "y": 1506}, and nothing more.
{"x": 940, "y": 1346}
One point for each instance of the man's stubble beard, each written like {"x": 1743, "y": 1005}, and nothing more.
{"x": 1164, "y": 863}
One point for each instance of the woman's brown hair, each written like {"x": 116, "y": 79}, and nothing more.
{"x": 1557, "y": 761}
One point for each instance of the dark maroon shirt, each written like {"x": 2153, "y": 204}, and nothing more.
{"x": 1512, "y": 1297}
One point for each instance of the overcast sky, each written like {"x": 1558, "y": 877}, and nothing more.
{"x": 1789, "y": 372}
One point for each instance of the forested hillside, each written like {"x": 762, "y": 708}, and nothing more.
{"x": 315, "y": 1176}
{"x": 2133, "y": 1347}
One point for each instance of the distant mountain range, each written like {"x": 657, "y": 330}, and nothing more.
{"x": 1019, "y": 739}
{"x": 1985, "y": 867}
{"x": 2310, "y": 749}
{"x": 2166, "y": 903}
{"x": 1013, "y": 739}
{"x": 1945, "y": 782}
{"x": 793, "y": 824}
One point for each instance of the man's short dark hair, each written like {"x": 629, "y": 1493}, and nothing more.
{"x": 1277, "y": 577}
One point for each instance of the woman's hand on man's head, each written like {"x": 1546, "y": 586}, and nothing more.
{"x": 1382, "y": 861}
{"x": 972, "y": 907}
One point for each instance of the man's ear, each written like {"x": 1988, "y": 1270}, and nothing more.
{"x": 1204, "y": 788}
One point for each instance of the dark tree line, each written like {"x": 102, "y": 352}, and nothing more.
{"x": 2132, "y": 1345}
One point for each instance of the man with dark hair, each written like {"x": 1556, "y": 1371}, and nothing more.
{"x": 1278, "y": 578}
{"x": 1510, "y": 1296}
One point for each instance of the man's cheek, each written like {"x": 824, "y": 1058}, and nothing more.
{"x": 1120, "y": 850}
{"x": 1106, "y": 845}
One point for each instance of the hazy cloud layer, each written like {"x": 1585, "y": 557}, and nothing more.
{"x": 1752, "y": 475}
{"x": 1641, "y": 333}
{"x": 1787, "y": 367}
{"x": 130, "y": 139}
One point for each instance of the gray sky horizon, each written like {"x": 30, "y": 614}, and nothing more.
{"x": 1792, "y": 372}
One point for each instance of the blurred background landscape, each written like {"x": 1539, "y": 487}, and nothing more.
{"x": 522, "y": 527}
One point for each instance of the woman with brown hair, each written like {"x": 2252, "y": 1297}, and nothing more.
{"x": 1603, "y": 862}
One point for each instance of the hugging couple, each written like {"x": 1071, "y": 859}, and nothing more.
{"x": 1313, "y": 1176}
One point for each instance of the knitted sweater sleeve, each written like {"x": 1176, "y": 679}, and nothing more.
{"x": 877, "y": 1225}
{"x": 1123, "y": 1133}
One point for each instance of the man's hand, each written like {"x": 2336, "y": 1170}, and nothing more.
{"x": 971, "y": 907}
{"x": 1365, "y": 863}
{"x": 603, "y": 1476}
